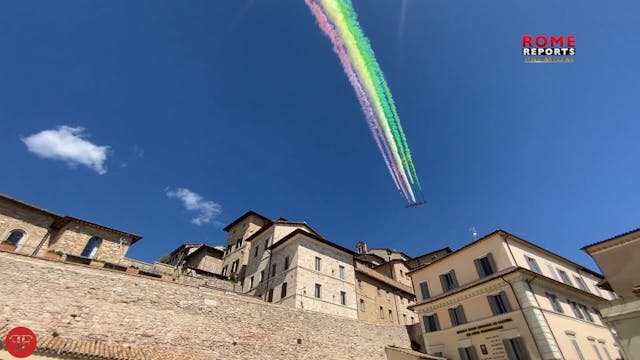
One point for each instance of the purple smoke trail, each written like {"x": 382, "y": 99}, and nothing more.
{"x": 338, "y": 47}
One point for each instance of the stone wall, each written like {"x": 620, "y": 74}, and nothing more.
{"x": 97, "y": 304}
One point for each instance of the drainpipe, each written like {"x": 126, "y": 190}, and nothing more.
{"x": 266, "y": 294}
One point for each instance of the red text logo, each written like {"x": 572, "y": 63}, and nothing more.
{"x": 548, "y": 48}
{"x": 20, "y": 342}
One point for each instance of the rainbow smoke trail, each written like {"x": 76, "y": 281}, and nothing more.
{"x": 339, "y": 22}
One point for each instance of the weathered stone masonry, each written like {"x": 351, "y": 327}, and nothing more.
{"x": 96, "y": 304}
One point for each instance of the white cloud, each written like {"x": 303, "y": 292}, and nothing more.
{"x": 69, "y": 145}
{"x": 194, "y": 202}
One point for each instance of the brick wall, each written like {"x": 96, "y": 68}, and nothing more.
{"x": 97, "y": 304}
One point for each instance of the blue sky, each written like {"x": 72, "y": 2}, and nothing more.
{"x": 244, "y": 104}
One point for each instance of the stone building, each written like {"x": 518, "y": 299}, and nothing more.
{"x": 30, "y": 230}
{"x": 619, "y": 260}
{"x": 236, "y": 254}
{"x": 504, "y": 297}
{"x": 301, "y": 270}
{"x": 199, "y": 257}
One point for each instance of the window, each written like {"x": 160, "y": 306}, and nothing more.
{"x": 580, "y": 283}
{"x": 533, "y": 264}
{"x": 576, "y": 309}
{"x": 485, "y": 266}
{"x": 251, "y": 282}
{"x": 224, "y": 271}
{"x": 360, "y": 284}
{"x": 273, "y": 270}
{"x": 595, "y": 287}
{"x": 388, "y": 296}
{"x": 238, "y": 243}
{"x": 586, "y": 312}
{"x": 431, "y": 322}
{"x": 468, "y": 353}
{"x": 343, "y": 298}
{"x": 552, "y": 271}
{"x": 15, "y": 236}
{"x": 381, "y": 313}
{"x": 592, "y": 341}
{"x": 604, "y": 349}
{"x": 91, "y": 248}
{"x": 362, "y": 305}
{"x": 555, "y": 303}
{"x": 213, "y": 268}
{"x": 255, "y": 251}
{"x": 390, "y": 315}
{"x": 404, "y": 319}
{"x": 401, "y": 273}
{"x": 457, "y": 316}
{"x": 286, "y": 263}
{"x": 516, "y": 348}
{"x": 424, "y": 290}
{"x": 449, "y": 281}
{"x": 234, "y": 266}
{"x": 499, "y": 303}
{"x": 564, "y": 277}
{"x": 318, "y": 264}
{"x": 576, "y": 347}
{"x": 270, "y": 296}
{"x": 283, "y": 291}
{"x": 318, "y": 293}
{"x": 261, "y": 276}
{"x": 229, "y": 248}
{"x": 341, "y": 272}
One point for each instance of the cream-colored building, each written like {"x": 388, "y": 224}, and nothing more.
{"x": 619, "y": 260}
{"x": 30, "y": 230}
{"x": 302, "y": 270}
{"x": 502, "y": 297}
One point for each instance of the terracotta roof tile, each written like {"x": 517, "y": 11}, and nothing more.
{"x": 94, "y": 349}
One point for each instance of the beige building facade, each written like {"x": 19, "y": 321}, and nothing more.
{"x": 502, "y": 297}
{"x": 619, "y": 260}
{"x": 302, "y": 270}
{"x": 29, "y": 230}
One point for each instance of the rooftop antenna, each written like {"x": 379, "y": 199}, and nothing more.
{"x": 474, "y": 232}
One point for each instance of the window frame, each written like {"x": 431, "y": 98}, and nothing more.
{"x": 449, "y": 281}
{"x": 424, "y": 289}
{"x": 318, "y": 291}
{"x": 432, "y": 321}
{"x": 532, "y": 263}
{"x": 490, "y": 263}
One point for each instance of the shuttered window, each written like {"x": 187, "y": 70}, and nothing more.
{"x": 448, "y": 281}
{"x": 516, "y": 349}
{"x": 485, "y": 266}
{"x": 457, "y": 316}
{"x": 499, "y": 303}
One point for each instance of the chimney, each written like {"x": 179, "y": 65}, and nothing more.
{"x": 361, "y": 247}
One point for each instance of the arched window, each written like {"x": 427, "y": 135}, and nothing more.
{"x": 92, "y": 247}
{"x": 15, "y": 236}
